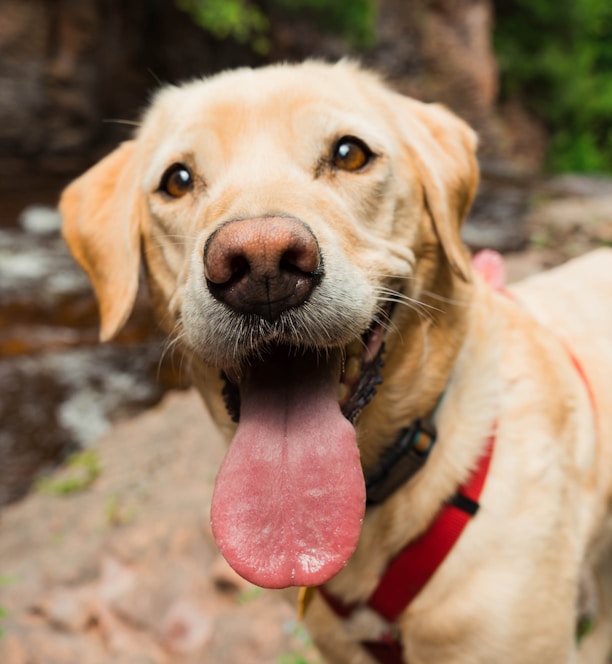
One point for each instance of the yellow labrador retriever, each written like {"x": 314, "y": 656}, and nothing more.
{"x": 429, "y": 457}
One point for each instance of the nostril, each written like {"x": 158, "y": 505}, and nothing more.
{"x": 303, "y": 257}
{"x": 239, "y": 267}
{"x": 223, "y": 263}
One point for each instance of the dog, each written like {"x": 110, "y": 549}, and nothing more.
{"x": 427, "y": 457}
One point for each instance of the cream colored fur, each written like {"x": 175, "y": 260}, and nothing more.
{"x": 257, "y": 142}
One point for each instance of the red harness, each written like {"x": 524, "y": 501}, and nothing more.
{"x": 414, "y": 566}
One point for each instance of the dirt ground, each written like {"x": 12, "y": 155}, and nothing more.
{"x": 112, "y": 560}
{"x": 125, "y": 570}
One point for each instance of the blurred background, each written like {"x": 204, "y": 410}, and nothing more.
{"x": 533, "y": 78}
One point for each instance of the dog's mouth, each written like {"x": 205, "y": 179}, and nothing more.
{"x": 359, "y": 373}
{"x": 289, "y": 498}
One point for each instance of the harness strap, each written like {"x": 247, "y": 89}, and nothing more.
{"x": 386, "y": 651}
{"x": 582, "y": 373}
{"x": 414, "y": 566}
{"x": 408, "y": 573}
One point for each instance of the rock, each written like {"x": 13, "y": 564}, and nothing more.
{"x": 65, "y": 609}
{"x": 59, "y": 388}
{"x": 56, "y": 402}
{"x": 497, "y": 219}
{"x": 574, "y": 185}
{"x": 568, "y": 215}
{"x": 71, "y": 71}
{"x": 186, "y": 627}
{"x": 40, "y": 220}
{"x": 49, "y": 111}
{"x": 117, "y": 580}
{"x": 38, "y": 269}
{"x": 571, "y": 225}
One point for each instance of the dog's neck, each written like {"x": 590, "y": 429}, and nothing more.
{"x": 472, "y": 388}
{"x": 418, "y": 365}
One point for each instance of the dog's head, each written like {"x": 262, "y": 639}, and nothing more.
{"x": 282, "y": 214}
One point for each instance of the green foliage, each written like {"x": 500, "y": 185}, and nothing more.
{"x": 3, "y": 614}
{"x": 247, "y": 596}
{"x": 117, "y": 514}
{"x": 80, "y": 472}
{"x": 5, "y": 580}
{"x": 585, "y": 626}
{"x": 293, "y": 658}
{"x": 238, "y": 19}
{"x": 556, "y": 56}
{"x": 353, "y": 19}
{"x": 304, "y": 652}
{"x": 247, "y": 22}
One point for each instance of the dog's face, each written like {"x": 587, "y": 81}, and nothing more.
{"x": 282, "y": 214}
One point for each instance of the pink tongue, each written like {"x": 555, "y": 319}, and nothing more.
{"x": 289, "y": 497}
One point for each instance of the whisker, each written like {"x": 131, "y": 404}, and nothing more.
{"x": 185, "y": 240}
{"x": 420, "y": 308}
{"x": 388, "y": 295}
{"x": 397, "y": 296}
{"x": 170, "y": 347}
{"x": 155, "y": 77}
{"x": 446, "y": 300}
{"x": 130, "y": 123}
{"x": 428, "y": 293}
{"x": 383, "y": 319}
{"x": 177, "y": 236}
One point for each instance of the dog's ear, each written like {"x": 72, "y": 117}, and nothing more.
{"x": 101, "y": 226}
{"x": 443, "y": 149}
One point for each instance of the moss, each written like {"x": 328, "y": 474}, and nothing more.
{"x": 80, "y": 472}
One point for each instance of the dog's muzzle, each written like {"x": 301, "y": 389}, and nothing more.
{"x": 262, "y": 266}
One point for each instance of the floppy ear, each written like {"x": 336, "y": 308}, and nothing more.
{"x": 101, "y": 227}
{"x": 443, "y": 147}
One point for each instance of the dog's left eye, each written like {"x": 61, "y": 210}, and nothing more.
{"x": 176, "y": 181}
{"x": 351, "y": 154}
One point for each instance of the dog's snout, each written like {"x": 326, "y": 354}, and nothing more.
{"x": 262, "y": 266}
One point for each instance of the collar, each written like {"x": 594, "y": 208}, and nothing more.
{"x": 402, "y": 460}
{"x": 415, "y": 565}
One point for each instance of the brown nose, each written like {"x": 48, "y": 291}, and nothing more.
{"x": 262, "y": 266}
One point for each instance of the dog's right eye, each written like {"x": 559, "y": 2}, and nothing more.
{"x": 176, "y": 181}
{"x": 351, "y": 154}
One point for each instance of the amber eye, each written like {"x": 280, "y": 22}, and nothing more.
{"x": 351, "y": 154}
{"x": 176, "y": 181}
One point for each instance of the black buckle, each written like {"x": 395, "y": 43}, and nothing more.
{"x": 401, "y": 461}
